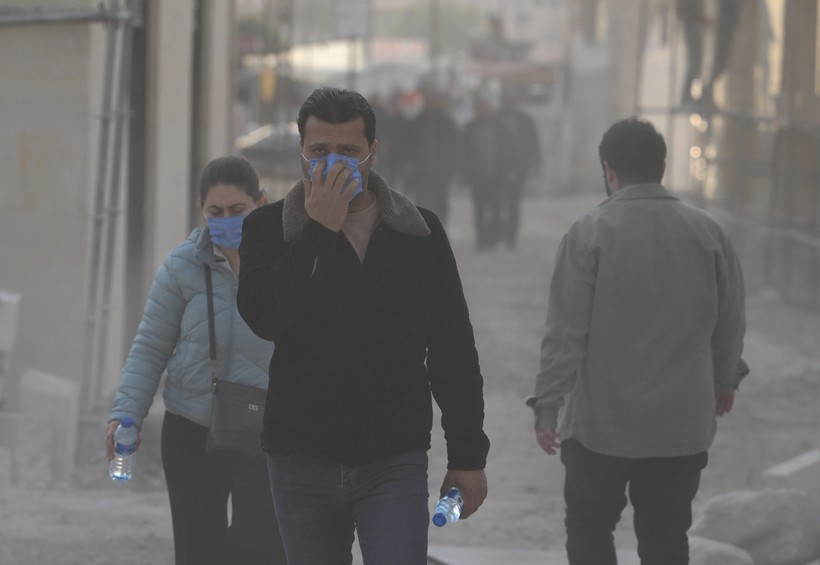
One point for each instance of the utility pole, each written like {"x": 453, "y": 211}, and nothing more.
{"x": 434, "y": 43}
{"x": 283, "y": 59}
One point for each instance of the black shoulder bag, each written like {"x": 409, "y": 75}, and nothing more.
{"x": 237, "y": 409}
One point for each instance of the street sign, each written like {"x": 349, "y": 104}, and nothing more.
{"x": 352, "y": 19}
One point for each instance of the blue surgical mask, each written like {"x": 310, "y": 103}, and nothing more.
{"x": 331, "y": 159}
{"x": 226, "y": 232}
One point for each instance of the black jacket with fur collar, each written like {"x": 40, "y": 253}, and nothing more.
{"x": 361, "y": 346}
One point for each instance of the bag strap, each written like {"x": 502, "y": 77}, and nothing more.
{"x": 209, "y": 291}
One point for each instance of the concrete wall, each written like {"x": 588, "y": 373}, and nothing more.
{"x": 45, "y": 145}
{"x": 50, "y": 103}
{"x": 218, "y": 57}
{"x": 169, "y": 122}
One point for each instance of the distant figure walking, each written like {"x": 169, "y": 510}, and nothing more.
{"x": 520, "y": 158}
{"x": 483, "y": 170}
{"x": 431, "y": 156}
{"x": 692, "y": 16}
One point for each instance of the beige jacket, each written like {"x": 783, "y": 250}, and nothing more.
{"x": 645, "y": 321}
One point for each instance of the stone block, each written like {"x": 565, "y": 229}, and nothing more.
{"x": 801, "y": 472}
{"x": 775, "y": 526}
{"x": 6, "y": 469}
{"x": 704, "y": 551}
{"x": 9, "y": 307}
{"x": 46, "y": 439}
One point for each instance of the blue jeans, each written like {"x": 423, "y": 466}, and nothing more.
{"x": 320, "y": 504}
{"x": 661, "y": 490}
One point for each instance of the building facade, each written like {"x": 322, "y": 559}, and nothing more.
{"x": 109, "y": 112}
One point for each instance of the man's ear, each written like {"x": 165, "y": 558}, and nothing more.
{"x": 263, "y": 198}
{"x": 611, "y": 177}
{"x": 374, "y": 150}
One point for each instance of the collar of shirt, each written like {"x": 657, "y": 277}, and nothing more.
{"x": 359, "y": 226}
{"x": 221, "y": 260}
{"x": 633, "y": 191}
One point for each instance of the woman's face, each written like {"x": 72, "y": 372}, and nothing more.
{"x": 226, "y": 200}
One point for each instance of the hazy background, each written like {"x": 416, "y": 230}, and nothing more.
{"x": 110, "y": 110}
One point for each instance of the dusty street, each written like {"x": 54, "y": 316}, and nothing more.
{"x": 89, "y": 520}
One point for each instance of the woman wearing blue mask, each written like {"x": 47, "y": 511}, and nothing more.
{"x": 173, "y": 338}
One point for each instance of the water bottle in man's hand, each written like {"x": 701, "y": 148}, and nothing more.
{"x": 449, "y": 508}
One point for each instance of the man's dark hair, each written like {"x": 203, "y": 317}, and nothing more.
{"x": 233, "y": 170}
{"x": 337, "y": 106}
{"x": 635, "y": 151}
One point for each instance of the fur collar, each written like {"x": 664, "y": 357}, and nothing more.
{"x": 395, "y": 210}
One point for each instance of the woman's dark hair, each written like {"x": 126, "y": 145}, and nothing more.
{"x": 233, "y": 170}
{"x": 337, "y": 106}
{"x": 635, "y": 151}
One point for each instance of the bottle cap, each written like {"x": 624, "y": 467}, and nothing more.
{"x": 439, "y": 519}
{"x": 127, "y": 422}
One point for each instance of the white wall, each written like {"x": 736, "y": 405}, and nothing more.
{"x": 217, "y": 129}
{"x": 169, "y": 124}
{"x": 44, "y": 223}
{"x": 50, "y": 101}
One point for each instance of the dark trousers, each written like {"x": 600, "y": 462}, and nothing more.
{"x": 691, "y": 14}
{"x": 198, "y": 488}
{"x": 661, "y": 490}
{"x": 510, "y": 215}
{"x": 486, "y": 214}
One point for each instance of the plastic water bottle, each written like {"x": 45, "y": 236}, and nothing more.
{"x": 449, "y": 508}
{"x": 121, "y": 467}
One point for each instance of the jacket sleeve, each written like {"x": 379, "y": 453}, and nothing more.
{"x": 277, "y": 279}
{"x": 452, "y": 363}
{"x": 156, "y": 339}
{"x": 567, "y": 328}
{"x": 727, "y": 337}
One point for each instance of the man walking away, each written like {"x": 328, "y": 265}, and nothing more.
{"x": 642, "y": 350}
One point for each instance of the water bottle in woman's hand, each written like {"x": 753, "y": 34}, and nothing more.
{"x": 121, "y": 468}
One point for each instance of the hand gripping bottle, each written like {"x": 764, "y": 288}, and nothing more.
{"x": 449, "y": 508}
{"x": 121, "y": 467}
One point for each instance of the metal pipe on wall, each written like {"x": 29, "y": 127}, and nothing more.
{"x": 123, "y": 116}
{"x": 40, "y": 16}
{"x": 98, "y": 217}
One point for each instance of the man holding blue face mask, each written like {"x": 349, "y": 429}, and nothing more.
{"x": 350, "y": 163}
{"x": 360, "y": 291}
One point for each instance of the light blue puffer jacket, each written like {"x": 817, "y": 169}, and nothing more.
{"x": 173, "y": 336}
